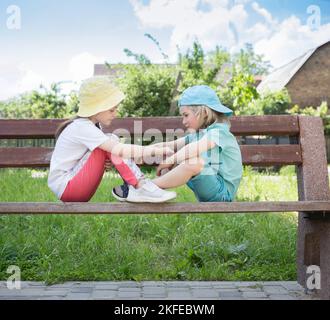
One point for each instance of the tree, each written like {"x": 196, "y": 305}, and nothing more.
{"x": 151, "y": 88}
{"x": 148, "y": 88}
{"x": 248, "y": 62}
{"x": 41, "y": 104}
{"x": 239, "y": 94}
{"x": 199, "y": 68}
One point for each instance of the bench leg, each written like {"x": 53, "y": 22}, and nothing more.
{"x": 325, "y": 260}
{"x": 313, "y": 245}
{"x": 313, "y": 249}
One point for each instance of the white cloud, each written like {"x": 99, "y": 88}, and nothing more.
{"x": 81, "y": 66}
{"x": 212, "y": 22}
{"x": 264, "y": 13}
{"x": 16, "y": 79}
{"x": 7, "y": 89}
{"x": 190, "y": 21}
{"x": 30, "y": 79}
{"x": 227, "y": 23}
{"x": 291, "y": 40}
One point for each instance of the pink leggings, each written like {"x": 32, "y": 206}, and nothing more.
{"x": 84, "y": 184}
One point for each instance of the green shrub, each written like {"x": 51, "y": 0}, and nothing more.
{"x": 273, "y": 103}
{"x": 240, "y": 93}
{"x": 42, "y": 104}
{"x": 148, "y": 89}
{"x": 321, "y": 111}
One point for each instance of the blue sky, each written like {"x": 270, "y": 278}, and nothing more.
{"x": 61, "y": 40}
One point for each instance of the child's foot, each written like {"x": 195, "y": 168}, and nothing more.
{"x": 148, "y": 192}
{"x": 120, "y": 192}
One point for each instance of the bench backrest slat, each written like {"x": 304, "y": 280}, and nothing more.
{"x": 263, "y": 155}
{"x": 255, "y": 155}
{"x": 241, "y": 126}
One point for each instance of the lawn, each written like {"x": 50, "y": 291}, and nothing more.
{"x": 57, "y": 248}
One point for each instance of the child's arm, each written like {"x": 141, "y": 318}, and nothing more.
{"x": 175, "y": 145}
{"x": 131, "y": 151}
{"x": 191, "y": 150}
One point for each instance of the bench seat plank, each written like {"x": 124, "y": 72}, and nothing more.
{"x": 128, "y": 208}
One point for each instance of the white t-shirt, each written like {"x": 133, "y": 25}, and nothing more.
{"x": 76, "y": 141}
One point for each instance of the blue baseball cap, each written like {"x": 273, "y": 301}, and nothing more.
{"x": 203, "y": 95}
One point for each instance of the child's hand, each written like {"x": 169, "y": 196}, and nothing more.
{"x": 163, "y": 166}
{"x": 160, "y": 151}
{"x": 108, "y": 165}
{"x": 156, "y": 151}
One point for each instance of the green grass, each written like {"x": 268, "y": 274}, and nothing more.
{"x": 57, "y": 248}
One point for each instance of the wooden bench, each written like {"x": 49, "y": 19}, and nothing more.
{"x": 308, "y": 155}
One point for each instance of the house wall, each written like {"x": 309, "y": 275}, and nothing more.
{"x": 311, "y": 84}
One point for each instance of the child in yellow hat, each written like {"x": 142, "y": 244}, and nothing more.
{"x": 82, "y": 150}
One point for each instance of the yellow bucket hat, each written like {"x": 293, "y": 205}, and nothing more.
{"x": 98, "y": 94}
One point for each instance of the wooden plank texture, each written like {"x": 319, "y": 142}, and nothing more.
{"x": 243, "y": 125}
{"x": 25, "y": 157}
{"x": 127, "y": 208}
{"x": 257, "y": 155}
{"x": 313, "y": 185}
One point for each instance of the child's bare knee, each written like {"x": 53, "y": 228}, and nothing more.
{"x": 195, "y": 165}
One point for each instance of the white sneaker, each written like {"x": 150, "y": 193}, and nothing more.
{"x": 149, "y": 192}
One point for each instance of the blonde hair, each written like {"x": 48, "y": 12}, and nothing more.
{"x": 206, "y": 116}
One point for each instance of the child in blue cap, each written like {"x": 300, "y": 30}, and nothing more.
{"x": 208, "y": 160}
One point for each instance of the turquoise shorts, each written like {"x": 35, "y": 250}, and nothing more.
{"x": 209, "y": 187}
